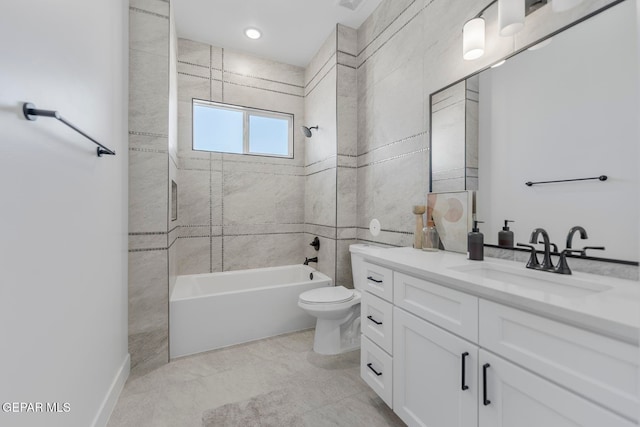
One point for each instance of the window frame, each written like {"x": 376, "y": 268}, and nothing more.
{"x": 247, "y": 112}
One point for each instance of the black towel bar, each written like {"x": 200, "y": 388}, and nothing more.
{"x": 601, "y": 178}
{"x": 31, "y": 113}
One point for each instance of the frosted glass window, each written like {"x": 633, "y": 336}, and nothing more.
{"x": 268, "y": 135}
{"x": 240, "y": 130}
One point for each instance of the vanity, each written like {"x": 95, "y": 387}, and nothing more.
{"x": 452, "y": 342}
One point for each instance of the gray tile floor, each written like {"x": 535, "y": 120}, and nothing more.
{"x": 315, "y": 390}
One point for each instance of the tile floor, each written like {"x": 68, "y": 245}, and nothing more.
{"x": 328, "y": 389}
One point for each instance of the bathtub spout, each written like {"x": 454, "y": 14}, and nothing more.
{"x": 308, "y": 260}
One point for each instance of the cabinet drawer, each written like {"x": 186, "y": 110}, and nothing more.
{"x": 600, "y": 368}
{"x": 447, "y": 308}
{"x": 376, "y": 369}
{"x": 378, "y": 280}
{"x": 377, "y": 321}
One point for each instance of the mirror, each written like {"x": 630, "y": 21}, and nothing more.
{"x": 567, "y": 110}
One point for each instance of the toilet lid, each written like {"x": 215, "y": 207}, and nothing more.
{"x": 330, "y": 294}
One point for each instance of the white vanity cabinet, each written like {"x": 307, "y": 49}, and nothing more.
{"x": 376, "y": 311}
{"x": 461, "y": 360}
{"x": 516, "y": 397}
{"x": 435, "y": 377}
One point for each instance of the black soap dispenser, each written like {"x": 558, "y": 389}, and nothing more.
{"x": 475, "y": 243}
{"x": 505, "y": 237}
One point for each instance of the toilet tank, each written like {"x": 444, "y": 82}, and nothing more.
{"x": 357, "y": 257}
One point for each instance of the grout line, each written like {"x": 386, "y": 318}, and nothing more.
{"x": 319, "y": 81}
{"x": 319, "y": 70}
{"x": 385, "y": 28}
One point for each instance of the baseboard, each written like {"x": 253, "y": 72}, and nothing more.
{"x": 110, "y": 400}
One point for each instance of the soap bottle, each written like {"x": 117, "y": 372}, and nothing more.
{"x": 505, "y": 237}
{"x": 475, "y": 243}
{"x": 430, "y": 238}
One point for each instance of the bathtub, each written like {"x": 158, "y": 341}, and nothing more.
{"x": 209, "y": 311}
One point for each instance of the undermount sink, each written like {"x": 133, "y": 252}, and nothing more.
{"x": 541, "y": 281}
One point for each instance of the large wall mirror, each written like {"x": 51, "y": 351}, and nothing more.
{"x": 567, "y": 109}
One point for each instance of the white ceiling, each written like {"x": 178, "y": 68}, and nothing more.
{"x": 292, "y": 30}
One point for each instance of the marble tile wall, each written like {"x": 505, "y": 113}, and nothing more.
{"x": 407, "y": 50}
{"x": 234, "y": 211}
{"x": 149, "y": 172}
{"x": 331, "y": 160}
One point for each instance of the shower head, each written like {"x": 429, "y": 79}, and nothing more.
{"x": 307, "y": 131}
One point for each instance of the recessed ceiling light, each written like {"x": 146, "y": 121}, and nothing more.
{"x": 253, "y": 33}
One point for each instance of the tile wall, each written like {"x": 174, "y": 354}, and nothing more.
{"x": 330, "y": 162}
{"x": 149, "y": 29}
{"x": 234, "y": 211}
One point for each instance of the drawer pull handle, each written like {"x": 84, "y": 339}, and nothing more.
{"x": 374, "y": 371}
{"x": 485, "y": 401}
{"x": 374, "y": 320}
{"x": 373, "y": 280}
{"x": 464, "y": 356}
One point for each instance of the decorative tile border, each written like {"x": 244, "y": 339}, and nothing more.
{"x": 393, "y": 34}
{"x": 155, "y": 135}
{"x": 319, "y": 80}
{"x": 319, "y": 70}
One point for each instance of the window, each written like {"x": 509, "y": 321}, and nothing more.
{"x": 232, "y": 129}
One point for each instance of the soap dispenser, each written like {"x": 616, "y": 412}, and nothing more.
{"x": 475, "y": 243}
{"x": 505, "y": 237}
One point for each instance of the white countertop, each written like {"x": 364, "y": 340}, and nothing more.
{"x": 614, "y": 312}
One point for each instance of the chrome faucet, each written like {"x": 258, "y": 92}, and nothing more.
{"x": 546, "y": 260}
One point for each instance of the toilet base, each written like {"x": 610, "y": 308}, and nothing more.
{"x": 338, "y": 336}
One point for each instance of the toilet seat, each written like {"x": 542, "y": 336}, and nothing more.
{"x": 327, "y": 295}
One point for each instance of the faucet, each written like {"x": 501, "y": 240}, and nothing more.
{"x": 583, "y": 234}
{"x": 546, "y": 260}
{"x": 308, "y": 260}
{"x": 563, "y": 267}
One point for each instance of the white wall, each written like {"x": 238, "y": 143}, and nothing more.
{"x": 549, "y": 115}
{"x": 63, "y": 252}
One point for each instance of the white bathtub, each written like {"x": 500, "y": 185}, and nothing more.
{"x": 209, "y": 311}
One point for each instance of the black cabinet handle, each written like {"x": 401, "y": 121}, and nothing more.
{"x": 373, "y": 280}
{"x": 374, "y": 371}
{"x": 464, "y": 356}
{"x": 374, "y": 320}
{"x": 485, "y": 401}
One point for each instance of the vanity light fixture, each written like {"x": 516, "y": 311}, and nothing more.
{"x": 510, "y": 16}
{"x": 473, "y": 39}
{"x": 253, "y": 33}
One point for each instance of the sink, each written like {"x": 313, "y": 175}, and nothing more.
{"x": 540, "y": 281}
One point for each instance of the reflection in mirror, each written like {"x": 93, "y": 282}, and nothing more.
{"x": 454, "y": 137}
{"x": 567, "y": 110}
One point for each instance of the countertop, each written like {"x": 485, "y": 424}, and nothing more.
{"x": 614, "y": 312}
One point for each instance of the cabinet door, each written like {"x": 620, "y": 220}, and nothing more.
{"x": 428, "y": 374}
{"x": 517, "y": 398}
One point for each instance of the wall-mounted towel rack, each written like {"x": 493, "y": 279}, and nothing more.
{"x": 31, "y": 113}
{"x": 600, "y": 178}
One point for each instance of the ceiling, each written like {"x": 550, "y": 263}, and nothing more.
{"x": 292, "y": 30}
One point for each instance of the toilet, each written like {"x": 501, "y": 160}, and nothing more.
{"x": 337, "y": 310}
